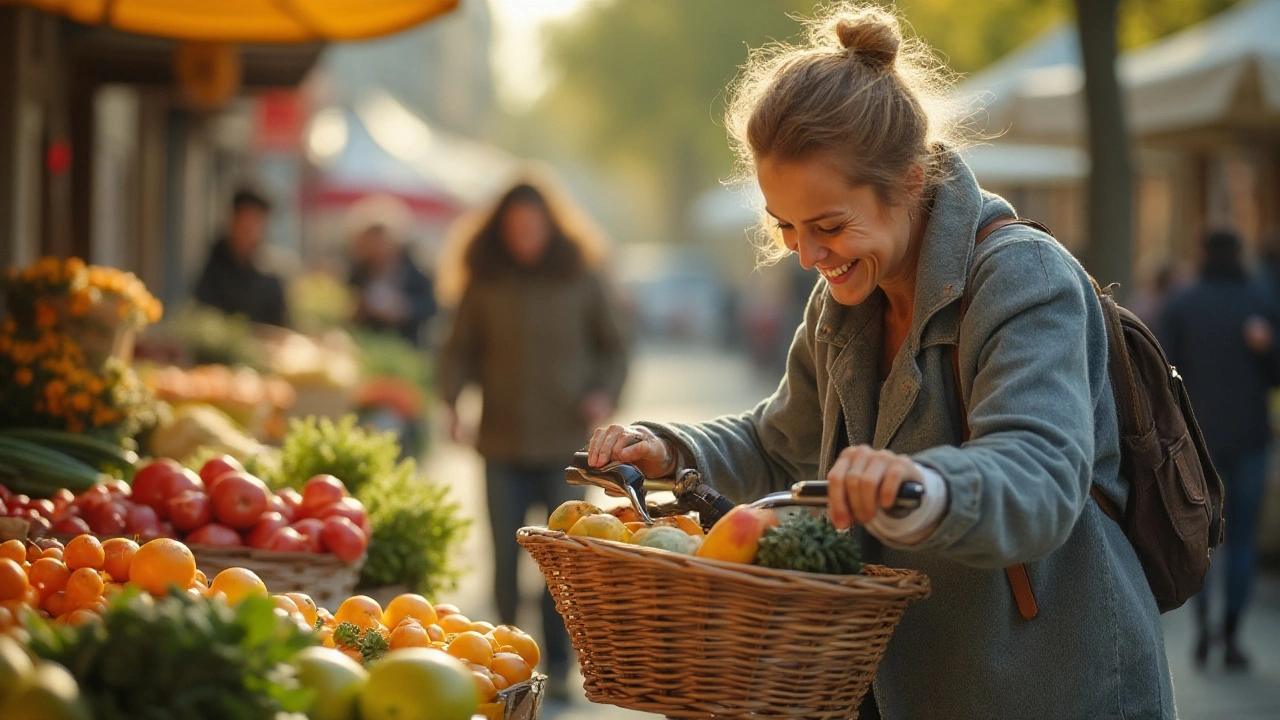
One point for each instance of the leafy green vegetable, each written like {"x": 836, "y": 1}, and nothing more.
{"x": 347, "y": 634}
{"x": 416, "y": 530}
{"x": 373, "y": 645}
{"x": 181, "y": 658}
{"x": 810, "y": 544}
{"x": 317, "y": 446}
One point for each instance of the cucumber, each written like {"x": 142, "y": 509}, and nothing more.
{"x": 93, "y": 451}
{"x": 49, "y": 465}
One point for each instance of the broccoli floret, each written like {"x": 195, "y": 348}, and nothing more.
{"x": 347, "y": 634}
{"x": 374, "y": 645}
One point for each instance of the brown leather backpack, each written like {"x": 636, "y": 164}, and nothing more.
{"x": 1173, "y": 516}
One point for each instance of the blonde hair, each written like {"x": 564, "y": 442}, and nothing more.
{"x": 858, "y": 92}
{"x": 474, "y": 247}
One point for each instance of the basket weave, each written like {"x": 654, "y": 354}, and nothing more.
{"x": 324, "y": 577}
{"x": 690, "y": 637}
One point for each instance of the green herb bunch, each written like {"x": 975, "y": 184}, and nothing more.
{"x": 371, "y": 643}
{"x": 416, "y": 530}
{"x": 319, "y": 446}
{"x": 181, "y": 658}
{"x": 810, "y": 544}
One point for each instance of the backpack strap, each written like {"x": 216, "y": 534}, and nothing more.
{"x": 1019, "y": 581}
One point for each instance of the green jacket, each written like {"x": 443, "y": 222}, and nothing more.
{"x": 536, "y": 346}
{"x": 1033, "y": 371}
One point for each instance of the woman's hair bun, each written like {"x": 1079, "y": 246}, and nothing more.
{"x": 871, "y": 37}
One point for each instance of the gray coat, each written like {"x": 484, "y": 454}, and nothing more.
{"x": 1034, "y": 378}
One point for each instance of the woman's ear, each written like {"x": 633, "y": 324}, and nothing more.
{"x": 913, "y": 184}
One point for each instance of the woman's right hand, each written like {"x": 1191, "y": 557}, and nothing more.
{"x": 631, "y": 444}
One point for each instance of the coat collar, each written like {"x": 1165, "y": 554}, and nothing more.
{"x": 946, "y": 254}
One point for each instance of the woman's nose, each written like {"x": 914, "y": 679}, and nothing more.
{"x": 811, "y": 253}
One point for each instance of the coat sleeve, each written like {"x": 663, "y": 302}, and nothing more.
{"x": 778, "y": 442}
{"x": 606, "y": 341}
{"x": 1033, "y": 359}
{"x": 420, "y": 295}
{"x": 460, "y": 355}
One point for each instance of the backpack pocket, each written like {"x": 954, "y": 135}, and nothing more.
{"x": 1181, "y": 483}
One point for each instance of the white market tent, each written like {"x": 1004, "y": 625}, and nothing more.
{"x": 1220, "y": 75}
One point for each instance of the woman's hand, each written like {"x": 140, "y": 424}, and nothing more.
{"x": 863, "y": 480}
{"x": 631, "y": 444}
{"x": 458, "y": 431}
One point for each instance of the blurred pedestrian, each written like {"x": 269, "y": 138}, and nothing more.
{"x": 231, "y": 280}
{"x": 536, "y": 330}
{"x": 1152, "y": 294}
{"x": 1221, "y": 335}
{"x": 392, "y": 294}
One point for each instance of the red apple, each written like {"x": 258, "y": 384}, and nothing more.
{"x": 349, "y": 508}
{"x": 189, "y": 510}
{"x": 42, "y": 506}
{"x": 141, "y": 520}
{"x": 286, "y": 539}
{"x": 119, "y": 488}
{"x": 151, "y": 483}
{"x": 291, "y": 499}
{"x": 4, "y": 511}
{"x": 239, "y": 500}
{"x": 166, "y": 531}
{"x": 107, "y": 519}
{"x": 310, "y": 529}
{"x": 185, "y": 480}
{"x": 260, "y": 535}
{"x": 214, "y": 468}
{"x": 215, "y": 535}
{"x": 343, "y": 538}
{"x": 22, "y": 500}
{"x": 62, "y": 498}
{"x": 71, "y": 525}
{"x": 321, "y": 491}
{"x": 5, "y": 493}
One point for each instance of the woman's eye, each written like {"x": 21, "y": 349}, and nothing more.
{"x": 832, "y": 230}
{"x": 782, "y": 226}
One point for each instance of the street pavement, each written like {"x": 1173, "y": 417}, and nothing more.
{"x": 691, "y": 383}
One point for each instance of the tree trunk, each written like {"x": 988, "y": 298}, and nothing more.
{"x": 1110, "y": 204}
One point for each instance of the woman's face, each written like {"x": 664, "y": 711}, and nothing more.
{"x": 856, "y": 241}
{"x": 526, "y": 232}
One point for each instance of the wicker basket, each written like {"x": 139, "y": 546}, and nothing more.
{"x": 324, "y": 577}
{"x": 695, "y": 638}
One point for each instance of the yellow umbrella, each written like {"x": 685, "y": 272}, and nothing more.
{"x": 253, "y": 21}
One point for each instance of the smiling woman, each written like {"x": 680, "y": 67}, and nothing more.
{"x": 1003, "y": 411}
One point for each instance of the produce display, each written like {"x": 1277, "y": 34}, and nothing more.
{"x": 249, "y": 398}
{"x": 744, "y": 535}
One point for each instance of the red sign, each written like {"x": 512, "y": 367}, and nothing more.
{"x": 280, "y": 116}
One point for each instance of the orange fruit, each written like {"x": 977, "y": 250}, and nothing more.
{"x": 48, "y": 576}
{"x": 237, "y": 583}
{"x": 499, "y": 681}
{"x": 520, "y": 641}
{"x": 688, "y": 524}
{"x": 14, "y": 550}
{"x": 446, "y": 609}
{"x": 473, "y": 647}
{"x": 569, "y": 513}
{"x": 435, "y": 632}
{"x": 352, "y": 653}
{"x": 481, "y": 626}
{"x": 13, "y": 580}
{"x": 454, "y": 624}
{"x": 511, "y": 667}
{"x": 53, "y": 552}
{"x": 409, "y": 634}
{"x": 84, "y": 587}
{"x": 34, "y": 552}
{"x": 84, "y": 551}
{"x": 81, "y": 616}
{"x": 285, "y": 603}
{"x": 306, "y": 606}
{"x": 161, "y": 563}
{"x": 58, "y": 604}
{"x": 408, "y": 605}
{"x": 601, "y": 527}
{"x": 485, "y": 686}
{"x": 6, "y": 618}
{"x": 359, "y": 610}
{"x": 117, "y": 555}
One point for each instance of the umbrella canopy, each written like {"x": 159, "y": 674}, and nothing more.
{"x": 1222, "y": 74}
{"x": 265, "y": 21}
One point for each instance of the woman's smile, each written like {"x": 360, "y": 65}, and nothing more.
{"x": 839, "y": 275}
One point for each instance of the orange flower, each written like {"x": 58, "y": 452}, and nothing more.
{"x": 81, "y": 402}
{"x": 23, "y": 376}
{"x": 103, "y": 416}
{"x": 72, "y": 267}
{"x": 81, "y": 302}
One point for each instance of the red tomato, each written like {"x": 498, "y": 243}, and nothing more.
{"x": 260, "y": 535}
{"x": 71, "y": 525}
{"x": 239, "y": 500}
{"x": 216, "y": 535}
{"x": 321, "y": 491}
{"x": 189, "y": 510}
{"x": 343, "y": 538}
{"x": 291, "y": 499}
{"x": 44, "y": 507}
{"x": 141, "y": 520}
{"x": 216, "y": 467}
{"x": 286, "y": 539}
{"x": 310, "y": 529}
{"x": 151, "y": 483}
{"x": 107, "y": 519}
{"x": 62, "y": 498}
{"x": 119, "y": 488}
